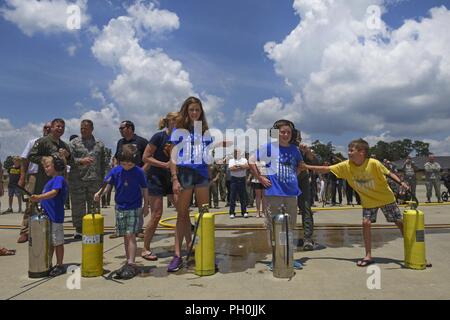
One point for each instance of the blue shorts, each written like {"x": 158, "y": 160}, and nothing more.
{"x": 159, "y": 184}
{"x": 13, "y": 191}
{"x": 190, "y": 178}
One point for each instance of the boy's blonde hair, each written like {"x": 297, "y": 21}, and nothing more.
{"x": 46, "y": 160}
{"x": 360, "y": 145}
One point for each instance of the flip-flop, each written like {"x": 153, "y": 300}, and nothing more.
{"x": 6, "y": 252}
{"x": 365, "y": 262}
{"x": 149, "y": 256}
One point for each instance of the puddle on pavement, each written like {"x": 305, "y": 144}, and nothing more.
{"x": 243, "y": 250}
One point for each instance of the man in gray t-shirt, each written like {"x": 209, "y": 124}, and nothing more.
{"x": 433, "y": 177}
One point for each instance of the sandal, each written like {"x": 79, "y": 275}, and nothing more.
{"x": 149, "y": 256}
{"x": 364, "y": 262}
{"x": 6, "y": 252}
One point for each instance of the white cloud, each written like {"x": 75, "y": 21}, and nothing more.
{"x": 46, "y": 16}
{"x": 212, "y": 106}
{"x": 438, "y": 147}
{"x": 148, "y": 84}
{"x": 98, "y": 95}
{"x": 271, "y": 110}
{"x": 356, "y": 79}
{"x": 13, "y": 140}
{"x": 148, "y": 17}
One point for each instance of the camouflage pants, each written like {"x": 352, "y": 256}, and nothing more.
{"x": 31, "y": 183}
{"x": 223, "y": 189}
{"x": 214, "y": 193}
{"x": 82, "y": 197}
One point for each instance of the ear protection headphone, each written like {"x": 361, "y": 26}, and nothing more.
{"x": 295, "y": 133}
{"x": 59, "y": 164}
{"x": 135, "y": 154}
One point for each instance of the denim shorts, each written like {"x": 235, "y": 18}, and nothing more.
{"x": 159, "y": 184}
{"x": 128, "y": 221}
{"x": 390, "y": 211}
{"x": 190, "y": 178}
{"x": 13, "y": 191}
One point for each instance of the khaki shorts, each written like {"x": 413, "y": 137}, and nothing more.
{"x": 57, "y": 234}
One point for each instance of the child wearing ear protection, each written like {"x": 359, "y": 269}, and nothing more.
{"x": 52, "y": 201}
{"x": 283, "y": 161}
{"x": 131, "y": 204}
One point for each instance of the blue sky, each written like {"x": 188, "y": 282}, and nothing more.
{"x": 222, "y": 46}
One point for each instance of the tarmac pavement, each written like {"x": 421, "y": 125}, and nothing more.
{"x": 242, "y": 256}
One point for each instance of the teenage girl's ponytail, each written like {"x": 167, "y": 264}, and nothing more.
{"x": 162, "y": 123}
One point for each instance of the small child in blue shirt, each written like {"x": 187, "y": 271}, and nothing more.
{"x": 280, "y": 177}
{"x": 52, "y": 202}
{"x": 131, "y": 186}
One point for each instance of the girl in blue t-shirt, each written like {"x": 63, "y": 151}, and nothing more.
{"x": 157, "y": 155}
{"x": 280, "y": 179}
{"x": 189, "y": 171}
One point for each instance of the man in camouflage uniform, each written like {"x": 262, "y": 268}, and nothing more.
{"x": 433, "y": 178}
{"x": 222, "y": 180}
{"x": 50, "y": 145}
{"x": 214, "y": 185}
{"x": 86, "y": 173}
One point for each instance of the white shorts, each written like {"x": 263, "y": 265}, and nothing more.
{"x": 57, "y": 234}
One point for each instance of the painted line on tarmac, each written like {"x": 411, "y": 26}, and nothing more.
{"x": 242, "y": 227}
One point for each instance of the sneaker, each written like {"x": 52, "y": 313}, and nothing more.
{"x": 270, "y": 266}
{"x": 232, "y": 216}
{"x": 9, "y": 210}
{"x": 78, "y": 236}
{"x": 308, "y": 245}
{"x": 128, "y": 272}
{"x": 57, "y": 271}
{"x": 245, "y": 215}
{"x": 175, "y": 264}
{"x": 297, "y": 265}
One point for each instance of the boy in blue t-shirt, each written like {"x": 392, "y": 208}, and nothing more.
{"x": 131, "y": 186}
{"x": 280, "y": 176}
{"x": 52, "y": 201}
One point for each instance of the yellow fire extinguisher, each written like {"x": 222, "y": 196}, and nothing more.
{"x": 92, "y": 245}
{"x": 204, "y": 242}
{"x": 414, "y": 237}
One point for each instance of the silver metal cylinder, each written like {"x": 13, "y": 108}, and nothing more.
{"x": 39, "y": 259}
{"x": 282, "y": 247}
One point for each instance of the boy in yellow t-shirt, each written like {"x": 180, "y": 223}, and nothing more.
{"x": 367, "y": 176}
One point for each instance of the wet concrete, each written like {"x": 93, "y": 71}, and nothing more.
{"x": 245, "y": 249}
